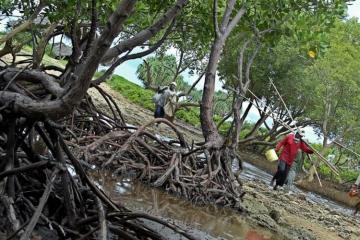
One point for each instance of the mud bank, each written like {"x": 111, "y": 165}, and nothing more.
{"x": 269, "y": 214}
{"x": 330, "y": 190}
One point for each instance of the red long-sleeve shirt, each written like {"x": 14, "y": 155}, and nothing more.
{"x": 290, "y": 148}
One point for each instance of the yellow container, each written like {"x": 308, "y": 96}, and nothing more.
{"x": 271, "y": 155}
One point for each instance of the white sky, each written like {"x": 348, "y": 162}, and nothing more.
{"x": 354, "y": 9}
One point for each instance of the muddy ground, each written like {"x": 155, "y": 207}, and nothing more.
{"x": 289, "y": 216}
{"x": 336, "y": 192}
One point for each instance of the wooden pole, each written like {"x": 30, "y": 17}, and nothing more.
{"x": 316, "y": 173}
{"x": 333, "y": 168}
{"x": 322, "y": 158}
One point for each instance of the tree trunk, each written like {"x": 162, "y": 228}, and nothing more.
{"x": 208, "y": 125}
{"x": 210, "y": 132}
{"x": 237, "y": 121}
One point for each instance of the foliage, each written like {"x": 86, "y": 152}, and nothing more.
{"x": 158, "y": 71}
{"x": 196, "y": 95}
{"x": 335, "y": 83}
{"x": 222, "y": 103}
{"x": 348, "y": 175}
{"x": 190, "y": 116}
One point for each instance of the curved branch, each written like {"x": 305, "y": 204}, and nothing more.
{"x": 141, "y": 129}
{"x": 195, "y": 83}
{"x": 80, "y": 79}
{"x": 227, "y": 116}
{"x": 50, "y": 83}
{"x": 145, "y": 34}
{"x": 40, "y": 49}
{"x": 110, "y": 70}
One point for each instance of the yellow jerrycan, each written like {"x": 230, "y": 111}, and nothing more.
{"x": 271, "y": 155}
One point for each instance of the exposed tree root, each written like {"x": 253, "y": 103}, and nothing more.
{"x": 39, "y": 196}
{"x": 200, "y": 175}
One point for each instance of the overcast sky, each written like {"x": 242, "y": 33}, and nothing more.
{"x": 354, "y": 9}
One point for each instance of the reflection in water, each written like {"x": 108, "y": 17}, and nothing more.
{"x": 219, "y": 222}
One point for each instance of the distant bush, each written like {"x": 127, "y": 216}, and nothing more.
{"x": 348, "y": 175}
{"x": 191, "y": 116}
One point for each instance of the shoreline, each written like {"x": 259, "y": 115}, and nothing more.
{"x": 329, "y": 190}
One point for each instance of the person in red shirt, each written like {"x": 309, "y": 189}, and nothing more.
{"x": 290, "y": 146}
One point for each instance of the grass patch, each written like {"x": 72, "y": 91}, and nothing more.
{"x": 133, "y": 92}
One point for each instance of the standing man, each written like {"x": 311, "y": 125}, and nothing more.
{"x": 170, "y": 102}
{"x": 159, "y": 101}
{"x": 290, "y": 146}
{"x": 165, "y": 102}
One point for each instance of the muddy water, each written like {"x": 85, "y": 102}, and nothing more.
{"x": 212, "y": 222}
{"x": 207, "y": 222}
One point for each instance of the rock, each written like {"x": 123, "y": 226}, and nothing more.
{"x": 356, "y": 232}
{"x": 331, "y": 228}
{"x": 254, "y": 207}
{"x": 336, "y": 222}
{"x": 251, "y": 185}
{"x": 333, "y": 212}
{"x": 327, "y": 209}
{"x": 300, "y": 233}
{"x": 275, "y": 214}
{"x": 331, "y": 221}
{"x": 284, "y": 199}
{"x": 266, "y": 221}
{"x": 302, "y": 196}
{"x": 344, "y": 235}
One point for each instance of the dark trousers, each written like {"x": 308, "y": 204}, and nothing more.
{"x": 159, "y": 112}
{"x": 281, "y": 173}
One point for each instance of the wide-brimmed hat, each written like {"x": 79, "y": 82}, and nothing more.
{"x": 173, "y": 83}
